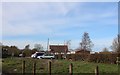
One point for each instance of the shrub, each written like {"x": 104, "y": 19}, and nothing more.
{"x": 97, "y": 57}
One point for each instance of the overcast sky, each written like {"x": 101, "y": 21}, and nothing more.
{"x": 34, "y": 22}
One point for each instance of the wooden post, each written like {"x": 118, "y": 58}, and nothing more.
{"x": 34, "y": 68}
{"x": 23, "y": 67}
{"x": 96, "y": 71}
{"x": 117, "y": 61}
{"x": 71, "y": 69}
{"x": 49, "y": 67}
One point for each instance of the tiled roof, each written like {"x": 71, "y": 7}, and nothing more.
{"x": 59, "y": 48}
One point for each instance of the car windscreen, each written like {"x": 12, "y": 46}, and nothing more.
{"x": 39, "y": 54}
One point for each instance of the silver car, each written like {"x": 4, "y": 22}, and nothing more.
{"x": 46, "y": 56}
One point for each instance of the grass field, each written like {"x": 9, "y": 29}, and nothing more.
{"x": 14, "y": 65}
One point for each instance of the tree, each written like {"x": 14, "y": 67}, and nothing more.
{"x": 13, "y": 51}
{"x": 68, "y": 43}
{"x": 86, "y": 43}
{"x": 39, "y": 47}
{"x": 105, "y": 50}
{"x": 116, "y": 44}
{"x": 27, "y": 46}
{"x": 0, "y": 44}
{"x": 10, "y": 51}
{"x": 26, "y": 53}
{"x": 5, "y": 51}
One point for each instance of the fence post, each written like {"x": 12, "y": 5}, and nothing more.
{"x": 71, "y": 69}
{"x": 117, "y": 61}
{"x": 49, "y": 67}
{"x": 23, "y": 67}
{"x": 34, "y": 68}
{"x": 96, "y": 71}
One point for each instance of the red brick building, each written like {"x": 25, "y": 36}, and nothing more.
{"x": 59, "y": 49}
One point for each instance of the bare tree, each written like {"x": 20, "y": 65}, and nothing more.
{"x": 68, "y": 44}
{"x": 105, "y": 50}
{"x": 116, "y": 44}
{"x": 38, "y": 47}
{"x": 86, "y": 43}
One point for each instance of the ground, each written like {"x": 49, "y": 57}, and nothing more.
{"x": 14, "y": 65}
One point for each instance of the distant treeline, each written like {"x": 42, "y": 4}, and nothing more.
{"x": 13, "y": 51}
{"x": 101, "y": 57}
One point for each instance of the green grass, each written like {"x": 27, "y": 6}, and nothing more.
{"x": 58, "y": 66}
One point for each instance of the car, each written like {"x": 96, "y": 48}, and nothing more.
{"x": 21, "y": 55}
{"x": 35, "y": 55}
{"x": 46, "y": 56}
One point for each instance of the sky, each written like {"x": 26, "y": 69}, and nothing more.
{"x": 26, "y": 23}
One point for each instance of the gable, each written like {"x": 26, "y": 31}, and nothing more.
{"x": 59, "y": 48}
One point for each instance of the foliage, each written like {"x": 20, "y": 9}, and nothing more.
{"x": 116, "y": 44}
{"x": 13, "y": 51}
{"x": 10, "y": 51}
{"x": 38, "y": 47}
{"x": 4, "y": 53}
{"x": 97, "y": 58}
{"x": 103, "y": 58}
{"x": 86, "y": 43}
{"x": 28, "y": 52}
{"x": 27, "y": 46}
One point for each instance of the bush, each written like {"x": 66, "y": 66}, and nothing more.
{"x": 97, "y": 58}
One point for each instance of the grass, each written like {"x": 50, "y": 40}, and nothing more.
{"x": 58, "y": 66}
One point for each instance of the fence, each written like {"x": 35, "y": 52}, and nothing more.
{"x": 49, "y": 68}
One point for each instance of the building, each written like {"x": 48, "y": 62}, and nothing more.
{"x": 58, "y": 49}
{"x": 82, "y": 52}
